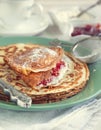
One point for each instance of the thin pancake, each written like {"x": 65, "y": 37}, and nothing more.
{"x": 70, "y": 85}
{"x": 34, "y": 59}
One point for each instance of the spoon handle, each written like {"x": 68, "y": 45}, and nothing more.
{"x": 90, "y": 7}
{"x": 21, "y": 99}
{"x": 57, "y": 42}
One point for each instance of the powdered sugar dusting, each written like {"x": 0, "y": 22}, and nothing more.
{"x": 37, "y": 54}
{"x": 40, "y": 53}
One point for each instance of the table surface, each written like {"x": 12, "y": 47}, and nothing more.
{"x": 48, "y": 5}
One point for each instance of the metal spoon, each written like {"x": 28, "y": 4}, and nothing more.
{"x": 21, "y": 99}
{"x": 87, "y": 50}
{"x": 90, "y": 7}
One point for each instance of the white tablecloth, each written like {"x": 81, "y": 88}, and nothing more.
{"x": 81, "y": 117}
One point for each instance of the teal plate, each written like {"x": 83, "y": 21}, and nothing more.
{"x": 92, "y": 89}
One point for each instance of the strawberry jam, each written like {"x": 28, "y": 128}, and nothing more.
{"x": 88, "y": 29}
{"x": 54, "y": 72}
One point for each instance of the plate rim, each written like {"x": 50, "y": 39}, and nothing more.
{"x": 18, "y": 33}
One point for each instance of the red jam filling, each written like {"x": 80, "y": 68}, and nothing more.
{"x": 88, "y": 29}
{"x": 54, "y": 72}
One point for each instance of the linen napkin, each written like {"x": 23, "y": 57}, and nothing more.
{"x": 77, "y": 118}
{"x": 80, "y": 117}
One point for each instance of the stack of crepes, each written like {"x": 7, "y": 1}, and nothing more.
{"x": 45, "y": 73}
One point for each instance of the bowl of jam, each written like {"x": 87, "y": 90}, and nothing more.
{"x": 90, "y": 28}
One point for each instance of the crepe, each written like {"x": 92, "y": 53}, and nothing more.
{"x": 72, "y": 82}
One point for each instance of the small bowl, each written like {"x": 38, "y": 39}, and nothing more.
{"x": 88, "y": 50}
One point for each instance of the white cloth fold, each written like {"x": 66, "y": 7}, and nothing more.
{"x": 61, "y": 18}
{"x": 75, "y": 119}
{"x": 81, "y": 117}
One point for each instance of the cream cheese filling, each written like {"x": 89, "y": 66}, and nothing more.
{"x": 66, "y": 69}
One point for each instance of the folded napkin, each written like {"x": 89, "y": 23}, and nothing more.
{"x": 61, "y": 17}
{"x": 80, "y": 117}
